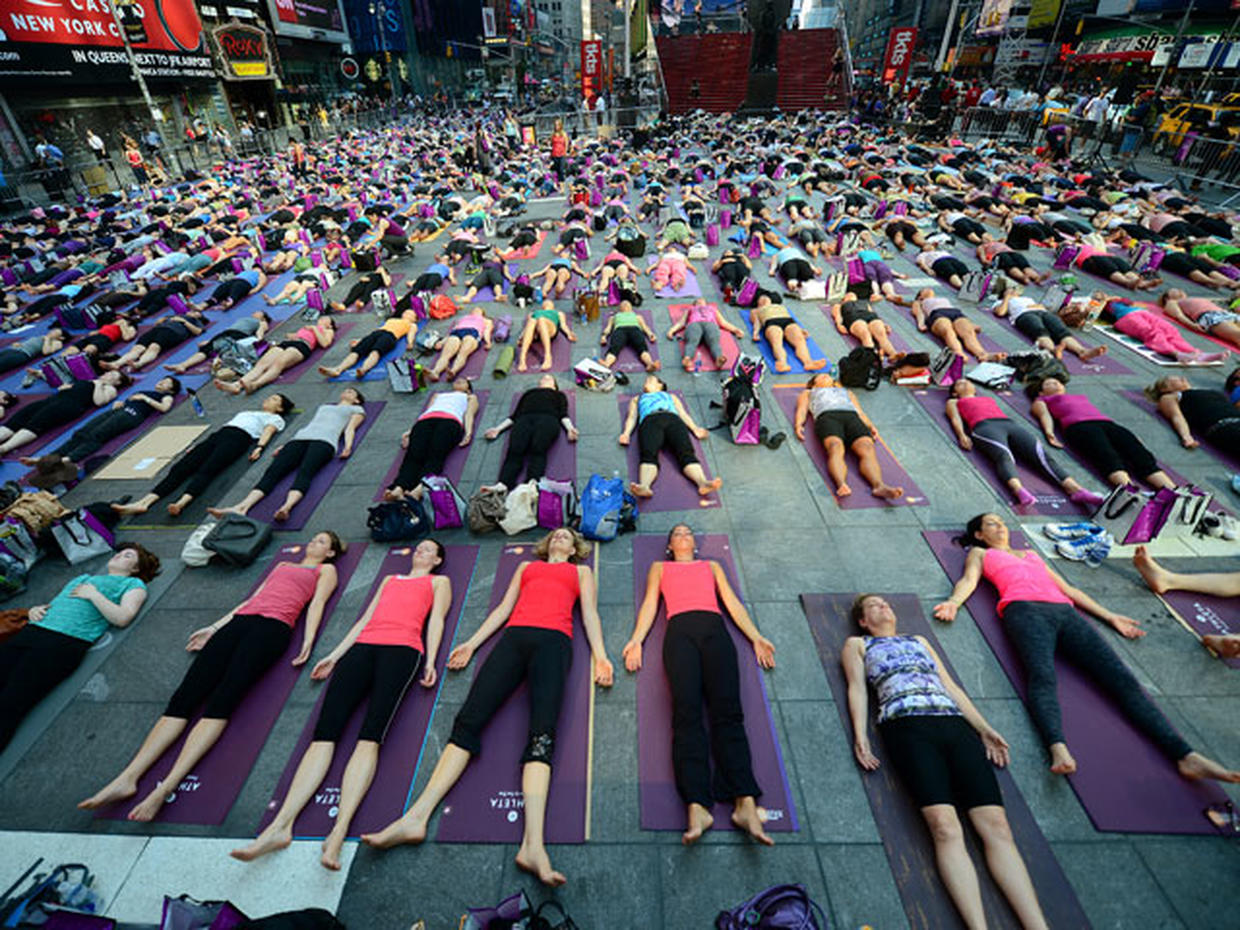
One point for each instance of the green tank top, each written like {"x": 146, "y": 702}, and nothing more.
{"x": 625, "y": 318}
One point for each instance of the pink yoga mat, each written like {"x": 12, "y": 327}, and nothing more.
{"x": 1206, "y": 614}
{"x": 402, "y": 750}
{"x": 727, "y": 342}
{"x": 861, "y": 498}
{"x": 485, "y": 805}
{"x": 454, "y": 466}
{"x": 265, "y": 509}
{"x": 672, "y": 490}
{"x": 207, "y": 794}
{"x": 1124, "y": 783}
{"x": 530, "y": 251}
{"x": 628, "y": 360}
{"x": 661, "y": 804}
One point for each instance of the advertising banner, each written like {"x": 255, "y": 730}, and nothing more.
{"x": 1043, "y": 13}
{"x": 899, "y": 56}
{"x": 380, "y": 31}
{"x": 77, "y": 41}
{"x": 994, "y": 17}
{"x": 591, "y": 68}
{"x": 243, "y": 52}
{"x": 309, "y": 19}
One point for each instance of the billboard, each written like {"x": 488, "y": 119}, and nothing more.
{"x": 243, "y": 52}
{"x": 1043, "y": 13}
{"x": 381, "y": 31}
{"x": 591, "y": 68}
{"x": 994, "y": 17}
{"x": 71, "y": 40}
{"x": 899, "y": 56}
{"x": 309, "y": 19}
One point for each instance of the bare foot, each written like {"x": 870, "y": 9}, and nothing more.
{"x": 229, "y": 388}
{"x": 218, "y": 512}
{"x": 843, "y": 490}
{"x": 328, "y": 372}
{"x": 887, "y": 492}
{"x": 1058, "y": 351}
{"x": 1093, "y": 353}
{"x": 332, "y": 845}
{"x": 281, "y": 515}
{"x": 638, "y": 490}
{"x": 111, "y": 793}
{"x": 538, "y": 864}
{"x": 521, "y": 366}
{"x": 150, "y": 806}
{"x": 686, "y": 363}
{"x": 816, "y": 364}
{"x": 1157, "y": 578}
{"x": 748, "y": 817}
{"x": 721, "y": 362}
{"x": 1196, "y": 766}
{"x": 783, "y": 367}
{"x": 175, "y": 508}
{"x": 1062, "y": 762}
{"x": 654, "y": 365}
{"x": 270, "y": 840}
{"x": 710, "y": 487}
{"x": 546, "y": 365}
{"x": 1226, "y": 647}
{"x": 700, "y": 820}
{"x": 129, "y": 510}
{"x": 394, "y": 494}
{"x": 409, "y": 829}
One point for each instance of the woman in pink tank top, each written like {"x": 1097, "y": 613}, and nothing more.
{"x": 233, "y": 654}
{"x": 1037, "y": 610}
{"x": 1201, "y": 314}
{"x": 700, "y": 662}
{"x": 377, "y": 661}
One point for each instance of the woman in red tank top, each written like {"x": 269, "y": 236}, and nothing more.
{"x": 535, "y": 648}
{"x": 378, "y": 658}
{"x": 700, "y": 661}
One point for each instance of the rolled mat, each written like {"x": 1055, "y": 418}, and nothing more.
{"x": 562, "y": 456}
{"x": 628, "y": 360}
{"x": 207, "y": 794}
{"x": 661, "y": 805}
{"x": 906, "y": 839}
{"x": 672, "y": 490}
{"x": 294, "y": 374}
{"x": 1231, "y": 461}
{"x": 401, "y": 754}
{"x": 1052, "y": 501}
{"x": 1205, "y": 615}
{"x": 1124, "y": 783}
{"x": 322, "y": 482}
{"x": 894, "y": 473}
{"x": 454, "y": 466}
{"x": 727, "y": 342}
{"x": 485, "y": 804}
{"x": 795, "y": 363}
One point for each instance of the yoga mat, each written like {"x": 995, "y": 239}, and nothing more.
{"x": 691, "y": 288}
{"x": 529, "y": 252}
{"x": 906, "y": 839}
{"x": 401, "y": 754}
{"x": 322, "y": 482}
{"x": 454, "y": 466}
{"x": 149, "y": 454}
{"x": 765, "y": 347}
{"x": 207, "y": 793}
{"x": 1124, "y": 783}
{"x": 727, "y": 342}
{"x": 985, "y": 340}
{"x": 898, "y": 342}
{"x": 1221, "y": 343}
{"x": 562, "y": 456}
{"x": 561, "y": 354}
{"x": 378, "y": 373}
{"x": 1204, "y": 614}
{"x": 291, "y": 375}
{"x": 672, "y": 490}
{"x": 894, "y": 474}
{"x": 1141, "y": 349}
{"x": 628, "y": 360}
{"x": 1140, "y": 400}
{"x": 661, "y": 805}
{"x": 1051, "y": 499}
{"x": 485, "y": 804}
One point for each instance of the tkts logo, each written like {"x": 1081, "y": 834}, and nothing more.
{"x": 899, "y": 57}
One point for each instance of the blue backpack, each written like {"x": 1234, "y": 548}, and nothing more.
{"x": 780, "y": 907}
{"x": 607, "y": 509}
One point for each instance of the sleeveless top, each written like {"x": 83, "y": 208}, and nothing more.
{"x": 973, "y": 410}
{"x": 548, "y": 592}
{"x": 1070, "y": 409}
{"x": 623, "y": 318}
{"x": 654, "y": 402}
{"x": 930, "y": 304}
{"x": 1020, "y": 579}
{"x": 400, "y": 616}
{"x": 308, "y": 335}
{"x": 699, "y": 313}
{"x": 688, "y": 586}
{"x": 825, "y": 399}
{"x": 1194, "y": 307}
{"x": 449, "y": 405}
{"x": 284, "y": 595}
{"x": 905, "y": 679}
{"x": 470, "y": 321}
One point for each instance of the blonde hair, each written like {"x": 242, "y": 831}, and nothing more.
{"x": 1157, "y": 389}
{"x": 581, "y": 548}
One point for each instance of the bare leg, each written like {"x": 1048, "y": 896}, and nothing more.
{"x": 800, "y": 345}
{"x": 1161, "y": 580}
{"x": 468, "y": 345}
{"x": 645, "y": 479}
{"x": 311, "y": 771}
{"x": 527, "y": 339}
{"x": 358, "y": 775}
{"x": 371, "y": 361}
{"x": 532, "y": 856}
{"x": 879, "y": 330}
{"x": 141, "y": 505}
{"x": 345, "y": 364}
{"x": 1006, "y": 866}
{"x": 411, "y": 828}
{"x": 125, "y": 785}
{"x": 1080, "y": 350}
{"x": 546, "y": 332}
{"x": 837, "y": 466}
{"x": 775, "y": 336}
{"x": 242, "y": 508}
{"x": 290, "y": 501}
{"x": 955, "y": 866}
{"x": 695, "y": 473}
{"x": 202, "y": 736}
{"x": 450, "y": 346}
{"x": 943, "y": 329}
{"x": 860, "y": 330}
{"x": 175, "y": 508}
{"x": 968, "y": 338}
{"x": 181, "y": 367}
{"x": 20, "y": 438}
{"x": 872, "y": 472}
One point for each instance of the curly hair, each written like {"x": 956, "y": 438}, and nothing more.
{"x": 581, "y": 547}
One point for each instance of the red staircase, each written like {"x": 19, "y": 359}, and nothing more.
{"x": 718, "y": 62}
{"x": 806, "y": 78}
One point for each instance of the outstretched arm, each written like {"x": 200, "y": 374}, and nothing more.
{"x": 763, "y": 648}
{"x": 963, "y": 588}
{"x": 314, "y": 613}
{"x": 603, "y": 672}
{"x": 1125, "y": 626}
{"x": 853, "y": 660}
{"x": 646, "y": 614}
{"x": 996, "y": 746}
{"x": 434, "y": 627}
{"x": 494, "y": 620}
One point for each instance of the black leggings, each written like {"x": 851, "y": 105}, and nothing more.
{"x": 1109, "y": 447}
{"x": 308, "y": 456}
{"x": 1005, "y": 443}
{"x": 1022, "y": 234}
{"x": 360, "y": 292}
{"x": 233, "y": 289}
{"x": 32, "y": 662}
{"x": 733, "y": 273}
{"x": 385, "y": 673}
{"x": 630, "y": 336}
{"x": 665, "y": 429}
{"x": 198, "y": 467}
{"x": 1037, "y": 630}
{"x": 431, "y": 441}
{"x": 14, "y": 358}
{"x": 91, "y": 436}
{"x": 232, "y": 661}
{"x": 700, "y": 661}
{"x": 541, "y": 659}
{"x": 941, "y": 760}
{"x": 531, "y": 438}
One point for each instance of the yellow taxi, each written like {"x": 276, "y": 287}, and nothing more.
{"x": 1210, "y": 120}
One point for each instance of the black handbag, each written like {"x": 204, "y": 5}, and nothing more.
{"x": 238, "y": 540}
{"x": 398, "y": 521}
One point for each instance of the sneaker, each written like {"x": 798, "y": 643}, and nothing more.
{"x": 1070, "y": 532}
{"x": 1235, "y": 483}
{"x": 1091, "y": 550}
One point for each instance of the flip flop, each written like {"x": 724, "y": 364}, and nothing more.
{"x": 774, "y": 442}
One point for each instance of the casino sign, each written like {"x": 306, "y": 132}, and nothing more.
{"x": 243, "y": 52}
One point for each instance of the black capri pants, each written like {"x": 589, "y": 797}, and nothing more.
{"x": 796, "y": 269}
{"x": 431, "y": 441}
{"x": 1109, "y": 447}
{"x": 630, "y": 336}
{"x": 380, "y": 340}
{"x": 92, "y": 435}
{"x": 198, "y": 467}
{"x": 665, "y": 430}
{"x": 233, "y": 289}
{"x": 941, "y": 760}
{"x": 14, "y": 358}
{"x": 541, "y": 659}
{"x": 427, "y": 281}
{"x": 965, "y": 227}
{"x": 232, "y": 661}
{"x": 1035, "y": 324}
{"x": 845, "y": 425}
{"x": 1183, "y": 265}
{"x": 361, "y": 290}
{"x": 1022, "y": 234}
{"x": 1105, "y": 265}
{"x": 491, "y": 277}
{"x": 307, "y": 456}
{"x": 733, "y": 273}
{"x": 165, "y": 336}
{"x": 1005, "y": 261}
{"x": 385, "y": 673}
{"x": 532, "y": 436}
{"x": 947, "y": 266}
{"x": 33, "y": 662}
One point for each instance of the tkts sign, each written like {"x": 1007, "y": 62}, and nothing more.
{"x": 243, "y": 52}
{"x": 591, "y": 67}
{"x": 899, "y": 57}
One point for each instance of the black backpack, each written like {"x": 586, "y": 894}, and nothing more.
{"x": 861, "y": 368}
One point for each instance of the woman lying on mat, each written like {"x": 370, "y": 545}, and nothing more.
{"x": 308, "y": 452}
{"x": 1208, "y": 414}
{"x": 1038, "y": 611}
{"x": 535, "y": 647}
{"x": 1217, "y": 584}
{"x": 295, "y": 290}
{"x": 469, "y": 332}
{"x": 282, "y": 356}
{"x": 253, "y": 327}
{"x": 978, "y": 420}
{"x": 167, "y": 333}
{"x": 543, "y": 324}
{"x": 701, "y": 664}
{"x": 32, "y": 348}
{"x": 378, "y": 660}
{"x": 1044, "y": 328}
{"x": 855, "y": 317}
{"x": 58, "y": 635}
{"x": 661, "y": 420}
{"x": 371, "y": 348}
{"x": 956, "y": 331}
{"x": 702, "y": 324}
{"x": 447, "y": 422}
{"x": 771, "y": 321}
{"x": 1109, "y": 448}
{"x": 233, "y": 654}
{"x": 793, "y": 267}
{"x": 249, "y": 431}
{"x": 536, "y": 422}
{"x": 1000, "y": 255}
{"x": 363, "y": 287}
{"x": 69, "y": 402}
{"x": 839, "y": 425}
{"x": 943, "y": 750}
{"x": 627, "y": 327}
{"x": 1153, "y": 331}
{"x": 556, "y": 276}
{"x": 1201, "y": 314}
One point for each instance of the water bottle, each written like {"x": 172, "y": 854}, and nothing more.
{"x": 196, "y": 403}
{"x": 697, "y": 365}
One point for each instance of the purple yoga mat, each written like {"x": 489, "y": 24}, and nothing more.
{"x": 454, "y": 466}
{"x": 727, "y": 342}
{"x": 1205, "y": 614}
{"x": 401, "y": 754}
{"x": 661, "y": 805}
{"x": 690, "y": 289}
{"x": 294, "y": 374}
{"x": 672, "y": 490}
{"x": 207, "y": 793}
{"x": 815, "y": 352}
{"x": 561, "y": 354}
{"x": 1052, "y": 501}
{"x": 1105, "y": 364}
{"x": 322, "y": 482}
{"x": 562, "y": 456}
{"x": 628, "y": 360}
{"x": 1124, "y": 783}
{"x": 861, "y": 498}
{"x": 485, "y": 804}
{"x": 906, "y": 840}
{"x": 1138, "y": 398}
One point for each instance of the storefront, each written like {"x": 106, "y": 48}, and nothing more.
{"x": 310, "y": 39}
